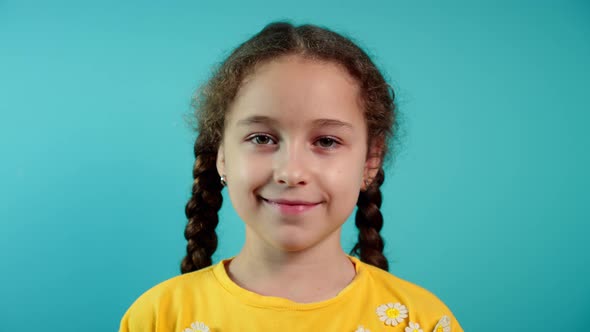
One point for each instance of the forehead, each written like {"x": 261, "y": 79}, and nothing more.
{"x": 294, "y": 89}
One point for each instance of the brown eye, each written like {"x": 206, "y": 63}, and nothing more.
{"x": 327, "y": 142}
{"x": 262, "y": 139}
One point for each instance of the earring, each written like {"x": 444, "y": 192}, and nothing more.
{"x": 223, "y": 181}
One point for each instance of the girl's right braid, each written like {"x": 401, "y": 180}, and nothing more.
{"x": 201, "y": 210}
{"x": 369, "y": 221}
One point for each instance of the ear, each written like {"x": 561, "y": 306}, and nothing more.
{"x": 373, "y": 162}
{"x": 220, "y": 162}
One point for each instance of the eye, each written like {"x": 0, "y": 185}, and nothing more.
{"x": 260, "y": 139}
{"x": 327, "y": 142}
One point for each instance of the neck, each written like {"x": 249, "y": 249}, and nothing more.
{"x": 311, "y": 275}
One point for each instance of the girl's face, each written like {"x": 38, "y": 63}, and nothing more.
{"x": 294, "y": 153}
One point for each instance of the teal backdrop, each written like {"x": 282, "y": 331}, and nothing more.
{"x": 485, "y": 204}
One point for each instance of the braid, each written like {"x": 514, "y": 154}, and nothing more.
{"x": 201, "y": 210}
{"x": 369, "y": 221}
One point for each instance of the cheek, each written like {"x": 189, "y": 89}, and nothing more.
{"x": 344, "y": 180}
{"x": 244, "y": 177}
{"x": 343, "y": 188}
{"x": 247, "y": 169}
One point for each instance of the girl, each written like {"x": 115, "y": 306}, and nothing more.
{"x": 296, "y": 124}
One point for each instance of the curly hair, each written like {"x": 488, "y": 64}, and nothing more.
{"x": 211, "y": 104}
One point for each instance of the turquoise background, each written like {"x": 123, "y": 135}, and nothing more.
{"x": 486, "y": 204}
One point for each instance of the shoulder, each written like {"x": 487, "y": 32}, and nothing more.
{"x": 421, "y": 306}
{"x": 391, "y": 283}
{"x": 167, "y": 296}
{"x": 178, "y": 286}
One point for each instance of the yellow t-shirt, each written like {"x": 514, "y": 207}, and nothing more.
{"x": 208, "y": 300}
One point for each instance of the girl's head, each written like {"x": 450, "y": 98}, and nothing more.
{"x": 298, "y": 114}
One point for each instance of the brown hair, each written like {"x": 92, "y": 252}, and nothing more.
{"x": 212, "y": 102}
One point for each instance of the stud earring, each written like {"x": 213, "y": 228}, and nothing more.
{"x": 223, "y": 181}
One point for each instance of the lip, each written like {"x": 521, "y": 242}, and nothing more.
{"x": 289, "y": 201}
{"x": 290, "y": 207}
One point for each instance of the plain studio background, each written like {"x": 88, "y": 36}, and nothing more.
{"x": 486, "y": 204}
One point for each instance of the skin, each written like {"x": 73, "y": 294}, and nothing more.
{"x": 276, "y": 146}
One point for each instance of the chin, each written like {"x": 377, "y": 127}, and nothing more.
{"x": 295, "y": 238}
{"x": 291, "y": 246}
{"x": 292, "y": 243}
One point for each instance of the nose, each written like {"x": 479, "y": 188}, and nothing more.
{"x": 290, "y": 166}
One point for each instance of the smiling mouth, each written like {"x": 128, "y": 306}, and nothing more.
{"x": 288, "y": 202}
{"x": 289, "y": 207}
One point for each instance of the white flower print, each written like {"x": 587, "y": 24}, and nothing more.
{"x": 443, "y": 325}
{"x": 414, "y": 327}
{"x": 197, "y": 327}
{"x": 392, "y": 313}
{"x": 361, "y": 329}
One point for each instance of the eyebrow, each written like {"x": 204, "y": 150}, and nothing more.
{"x": 261, "y": 119}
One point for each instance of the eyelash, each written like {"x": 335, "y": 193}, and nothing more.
{"x": 335, "y": 142}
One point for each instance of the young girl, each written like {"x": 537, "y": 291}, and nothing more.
{"x": 296, "y": 124}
